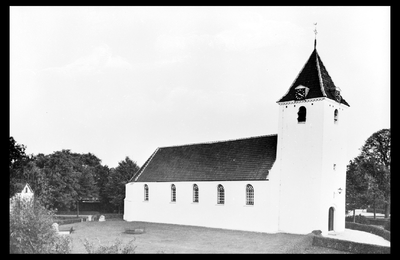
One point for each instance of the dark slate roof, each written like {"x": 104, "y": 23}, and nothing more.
{"x": 314, "y": 76}
{"x": 241, "y": 159}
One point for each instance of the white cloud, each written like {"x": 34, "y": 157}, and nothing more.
{"x": 249, "y": 32}
{"x": 98, "y": 60}
{"x": 255, "y": 33}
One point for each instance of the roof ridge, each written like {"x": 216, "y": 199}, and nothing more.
{"x": 222, "y": 141}
{"x": 321, "y": 82}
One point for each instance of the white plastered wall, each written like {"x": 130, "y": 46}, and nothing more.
{"x": 306, "y": 153}
{"x": 234, "y": 214}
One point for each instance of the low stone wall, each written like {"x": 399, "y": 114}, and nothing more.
{"x": 349, "y": 246}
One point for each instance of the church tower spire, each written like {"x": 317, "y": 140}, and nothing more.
{"x": 311, "y": 152}
{"x": 315, "y": 39}
{"x": 313, "y": 81}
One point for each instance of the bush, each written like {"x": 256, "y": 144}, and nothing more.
{"x": 359, "y": 219}
{"x": 387, "y": 226}
{"x": 115, "y": 248}
{"x": 31, "y": 231}
{"x": 113, "y": 215}
{"x": 69, "y": 221}
{"x": 379, "y": 221}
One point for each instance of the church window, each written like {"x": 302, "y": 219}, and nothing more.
{"x": 301, "y": 115}
{"x": 146, "y": 192}
{"x": 173, "y": 193}
{"x": 336, "y": 116}
{"x": 249, "y": 195}
{"x": 220, "y": 194}
{"x": 195, "y": 193}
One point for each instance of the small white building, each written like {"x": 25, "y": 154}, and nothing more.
{"x": 292, "y": 182}
{"x": 26, "y": 194}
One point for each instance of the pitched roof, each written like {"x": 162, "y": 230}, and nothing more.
{"x": 241, "y": 159}
{"x": 314, "y": 76}
{"x": 26, "y": 188}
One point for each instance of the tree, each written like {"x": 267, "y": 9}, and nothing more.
{"x": 376, "y": 159}
{"x": 37, "y": 179}
{"x": 16, "y": 153}
{"x": 356, "y": 188}
{"x": 17, "y": 160}
{"x": 117, "y": 179}
{"x": 368, "y": 175}
{"x": 65, "y": 178}
{"x": 101, "y": 177}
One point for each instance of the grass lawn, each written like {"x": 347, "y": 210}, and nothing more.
{"x": 167, "y": 238}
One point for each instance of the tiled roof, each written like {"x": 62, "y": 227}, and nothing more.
{"x": 241, "y": 159}
{"x": 314, "y": 76}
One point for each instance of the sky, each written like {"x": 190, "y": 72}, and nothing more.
{"x": 123, "y": 81}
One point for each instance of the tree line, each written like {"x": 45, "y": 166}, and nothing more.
{"x": 368, "y": 175}
{"x": 61, "y": 179}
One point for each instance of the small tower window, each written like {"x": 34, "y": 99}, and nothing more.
{"x": 173, "y": 193}
{"x": 146, "y": 192}
{"x": 336, "y": 116}
{"x": 301, "y": 115}
{"x": 195, "y": 193}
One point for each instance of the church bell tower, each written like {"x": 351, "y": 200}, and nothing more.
{"x": 311, "y": 150}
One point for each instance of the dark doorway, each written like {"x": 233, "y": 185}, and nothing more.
{"x": 330, "y": 218}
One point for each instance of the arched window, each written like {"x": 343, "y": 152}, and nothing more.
{"x": 249, "y": 194}
{"x": 195, "y": 193}
{"x": 336, "y": 116}
{"x": 220, "y": 194}
{"x": 146, "y": 192}
{"x": 173, "y": 193}
{"x": 301, "y": 115}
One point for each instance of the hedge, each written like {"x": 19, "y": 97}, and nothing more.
{"x": 112, "y": 215}
{"x": 370, "y": 229}
{"x": 349, "y": 246}
{"x": 369, "y": 221}
{"x": 379, "y": 221}
{"x": 68, "y": 221}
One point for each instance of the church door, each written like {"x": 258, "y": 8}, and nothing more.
{"x": 330, "y": 218}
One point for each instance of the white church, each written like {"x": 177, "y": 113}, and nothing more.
{"x": 293, "y": 181}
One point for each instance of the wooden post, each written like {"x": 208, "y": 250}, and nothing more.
{"x": 77, "y": 208}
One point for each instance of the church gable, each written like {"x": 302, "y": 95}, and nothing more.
{"x": 242, "y": 159}
{"x": 27, "y": 189}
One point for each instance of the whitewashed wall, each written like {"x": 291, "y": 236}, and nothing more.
{"x": 334, "y": 150}
{"x": 234, "y": 214}
{"x": 306, "y": 153}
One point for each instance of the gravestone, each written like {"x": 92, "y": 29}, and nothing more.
{"x": 55, "y": 227}
{"x": 102, "y": 218}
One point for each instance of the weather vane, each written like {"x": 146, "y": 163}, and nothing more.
{"x": 315, "y": 31}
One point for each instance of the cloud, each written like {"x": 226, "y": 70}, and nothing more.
{"x": 250, "y": 31}
{"x": 255, "y": 33}
{"x": 99, "y": 59}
